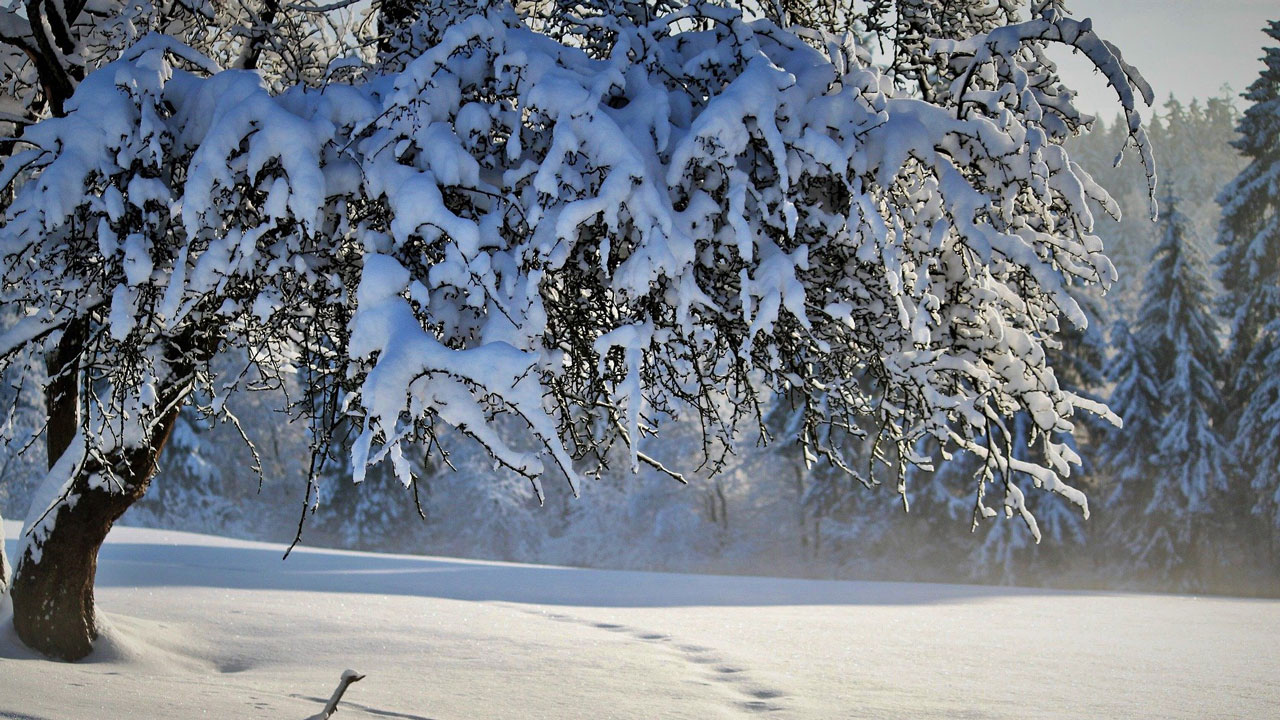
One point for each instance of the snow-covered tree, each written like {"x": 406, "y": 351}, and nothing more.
{"x": 939, "y": 494}
{"x": 582, "y": 243}
{"x": 47, "y": 48}
{"x": 1136, "y": 398}
{"x": 1256, "y": 442}
{"x": 1249, "y": 263}
{"x": 1170, "y": 464}
{"x": 1249, "y": 267}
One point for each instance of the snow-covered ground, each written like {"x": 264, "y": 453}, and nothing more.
{"x": 210, "y": 627}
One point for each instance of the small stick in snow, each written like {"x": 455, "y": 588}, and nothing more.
{"x": 348, "y": 677}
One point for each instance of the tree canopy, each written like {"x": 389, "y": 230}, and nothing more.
{"x": 557, "y": 233}
{"x": 589, "y": 241}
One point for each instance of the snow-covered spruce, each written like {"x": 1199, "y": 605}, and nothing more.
{"x": 1170, "y": 466}
{"x": 589, "y": 242}
{"x": 1248, "y": 268}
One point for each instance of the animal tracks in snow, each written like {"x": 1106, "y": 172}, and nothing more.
{"x": 712, "y": 666}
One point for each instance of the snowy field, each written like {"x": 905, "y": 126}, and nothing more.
{"x": 209, "y": 627}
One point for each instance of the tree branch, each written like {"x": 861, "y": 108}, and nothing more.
{"x": 348, "y": 677}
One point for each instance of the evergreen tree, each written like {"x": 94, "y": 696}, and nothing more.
{"x": 1195, "y": 145}
{"x": 1249, "y": 267}
{"x": 1249, "y": 233}
{"x": 1135, "y": 398}
{"x": 1169, "y": 458}
{"x": 1256, "y": 441}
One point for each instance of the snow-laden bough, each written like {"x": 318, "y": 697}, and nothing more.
{"x": 704, "y": 214}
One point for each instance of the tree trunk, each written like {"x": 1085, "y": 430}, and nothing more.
{"x": 52, "y": 586}
{"x": 53, "y": 609}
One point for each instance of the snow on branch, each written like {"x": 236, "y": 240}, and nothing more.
{"x": 591, "y": 241}
{"x": 1006, "y": 48}
{"x": 331, "y": 707}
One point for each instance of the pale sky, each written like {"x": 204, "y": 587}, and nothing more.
{"x": 1187, "y": 47}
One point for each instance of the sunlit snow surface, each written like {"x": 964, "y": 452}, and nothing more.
{"x": 210, "y": 627}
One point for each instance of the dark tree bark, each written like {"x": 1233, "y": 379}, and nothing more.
{"x": 50, "y": 41}
{"x": 53, "y": 609}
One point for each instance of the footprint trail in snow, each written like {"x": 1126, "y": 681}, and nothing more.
{"x": 710, "y": 666}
